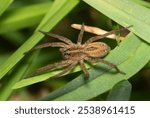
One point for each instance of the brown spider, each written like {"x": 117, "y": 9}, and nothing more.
{"x": 74, "y": 54}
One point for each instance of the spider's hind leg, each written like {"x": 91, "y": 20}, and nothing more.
{"x": 94, "y": 60}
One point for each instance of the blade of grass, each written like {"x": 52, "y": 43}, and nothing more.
{"x": 23, "y": 17}
{"x": 4, "y": 4}
{"x": 120, "y": 92}
{"x": 6, "y": 90}
{"x": 39, "y": 78}
{"x": 54, "y": 15}
{"x": 128, "y": 59}
{"x": 142, "y": 2}
{"x": 126, "y": 13}
{"x": 4, "y": 57}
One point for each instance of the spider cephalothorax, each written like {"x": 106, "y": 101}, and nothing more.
{"x": 78, "y": 53}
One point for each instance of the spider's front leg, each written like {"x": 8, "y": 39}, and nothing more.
{"x": 79, "y": 41}
{"x": 94, "y": 60}
{"x": 45, "y": 45}
{"x": 61, "y": 38}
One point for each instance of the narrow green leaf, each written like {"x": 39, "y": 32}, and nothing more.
{"x": 4, "y": 57}
{"x": 142, "y": 2}
{"x": 39, "y": 78}
{"x": 130, "y": 57}
{"x": 4, "y": 5}
{"x": 6, "y": 90}
{"x": 54, "y": 15}
{"x": 126, "y": 12}
{"x": 23, "y": 17}
{"x": 120, "y": 91}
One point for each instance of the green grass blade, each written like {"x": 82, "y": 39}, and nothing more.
{"x": 120, "y": 92}
{"x": 23, "y": 17}
{"x": 39, "y": 78}
{"x": 143, "y": 3}
{"x": 4, "y": 4}
{"x": 126, "y": 12}
{"x": 3, "y": 57}
{"x": 129, "y": 60}
{"x": 54, "y": 15}
{"x": 6, "y": 90}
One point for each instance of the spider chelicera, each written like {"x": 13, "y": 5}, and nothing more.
{"x": 78, "y": 53}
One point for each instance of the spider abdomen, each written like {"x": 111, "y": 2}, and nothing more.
{"x": 97, "y": 49}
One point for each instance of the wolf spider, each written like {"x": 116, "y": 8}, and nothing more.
{"x": 78, "y": 53}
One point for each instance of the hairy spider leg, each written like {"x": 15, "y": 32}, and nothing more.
{"x": 80, "y": 36}
{"x": 95, "y": 38}
{"x": 84, "y": 69}
{"x": 50, "y": 66}
{"x": 44, "y": 45}
{"x": 94, "y": 60}
{"x": 64, "y": 39}
{"x": 55, "y": 44}
{"x": 68, "y": 68}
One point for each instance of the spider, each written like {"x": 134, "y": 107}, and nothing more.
{"x": 77, "y": 53}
